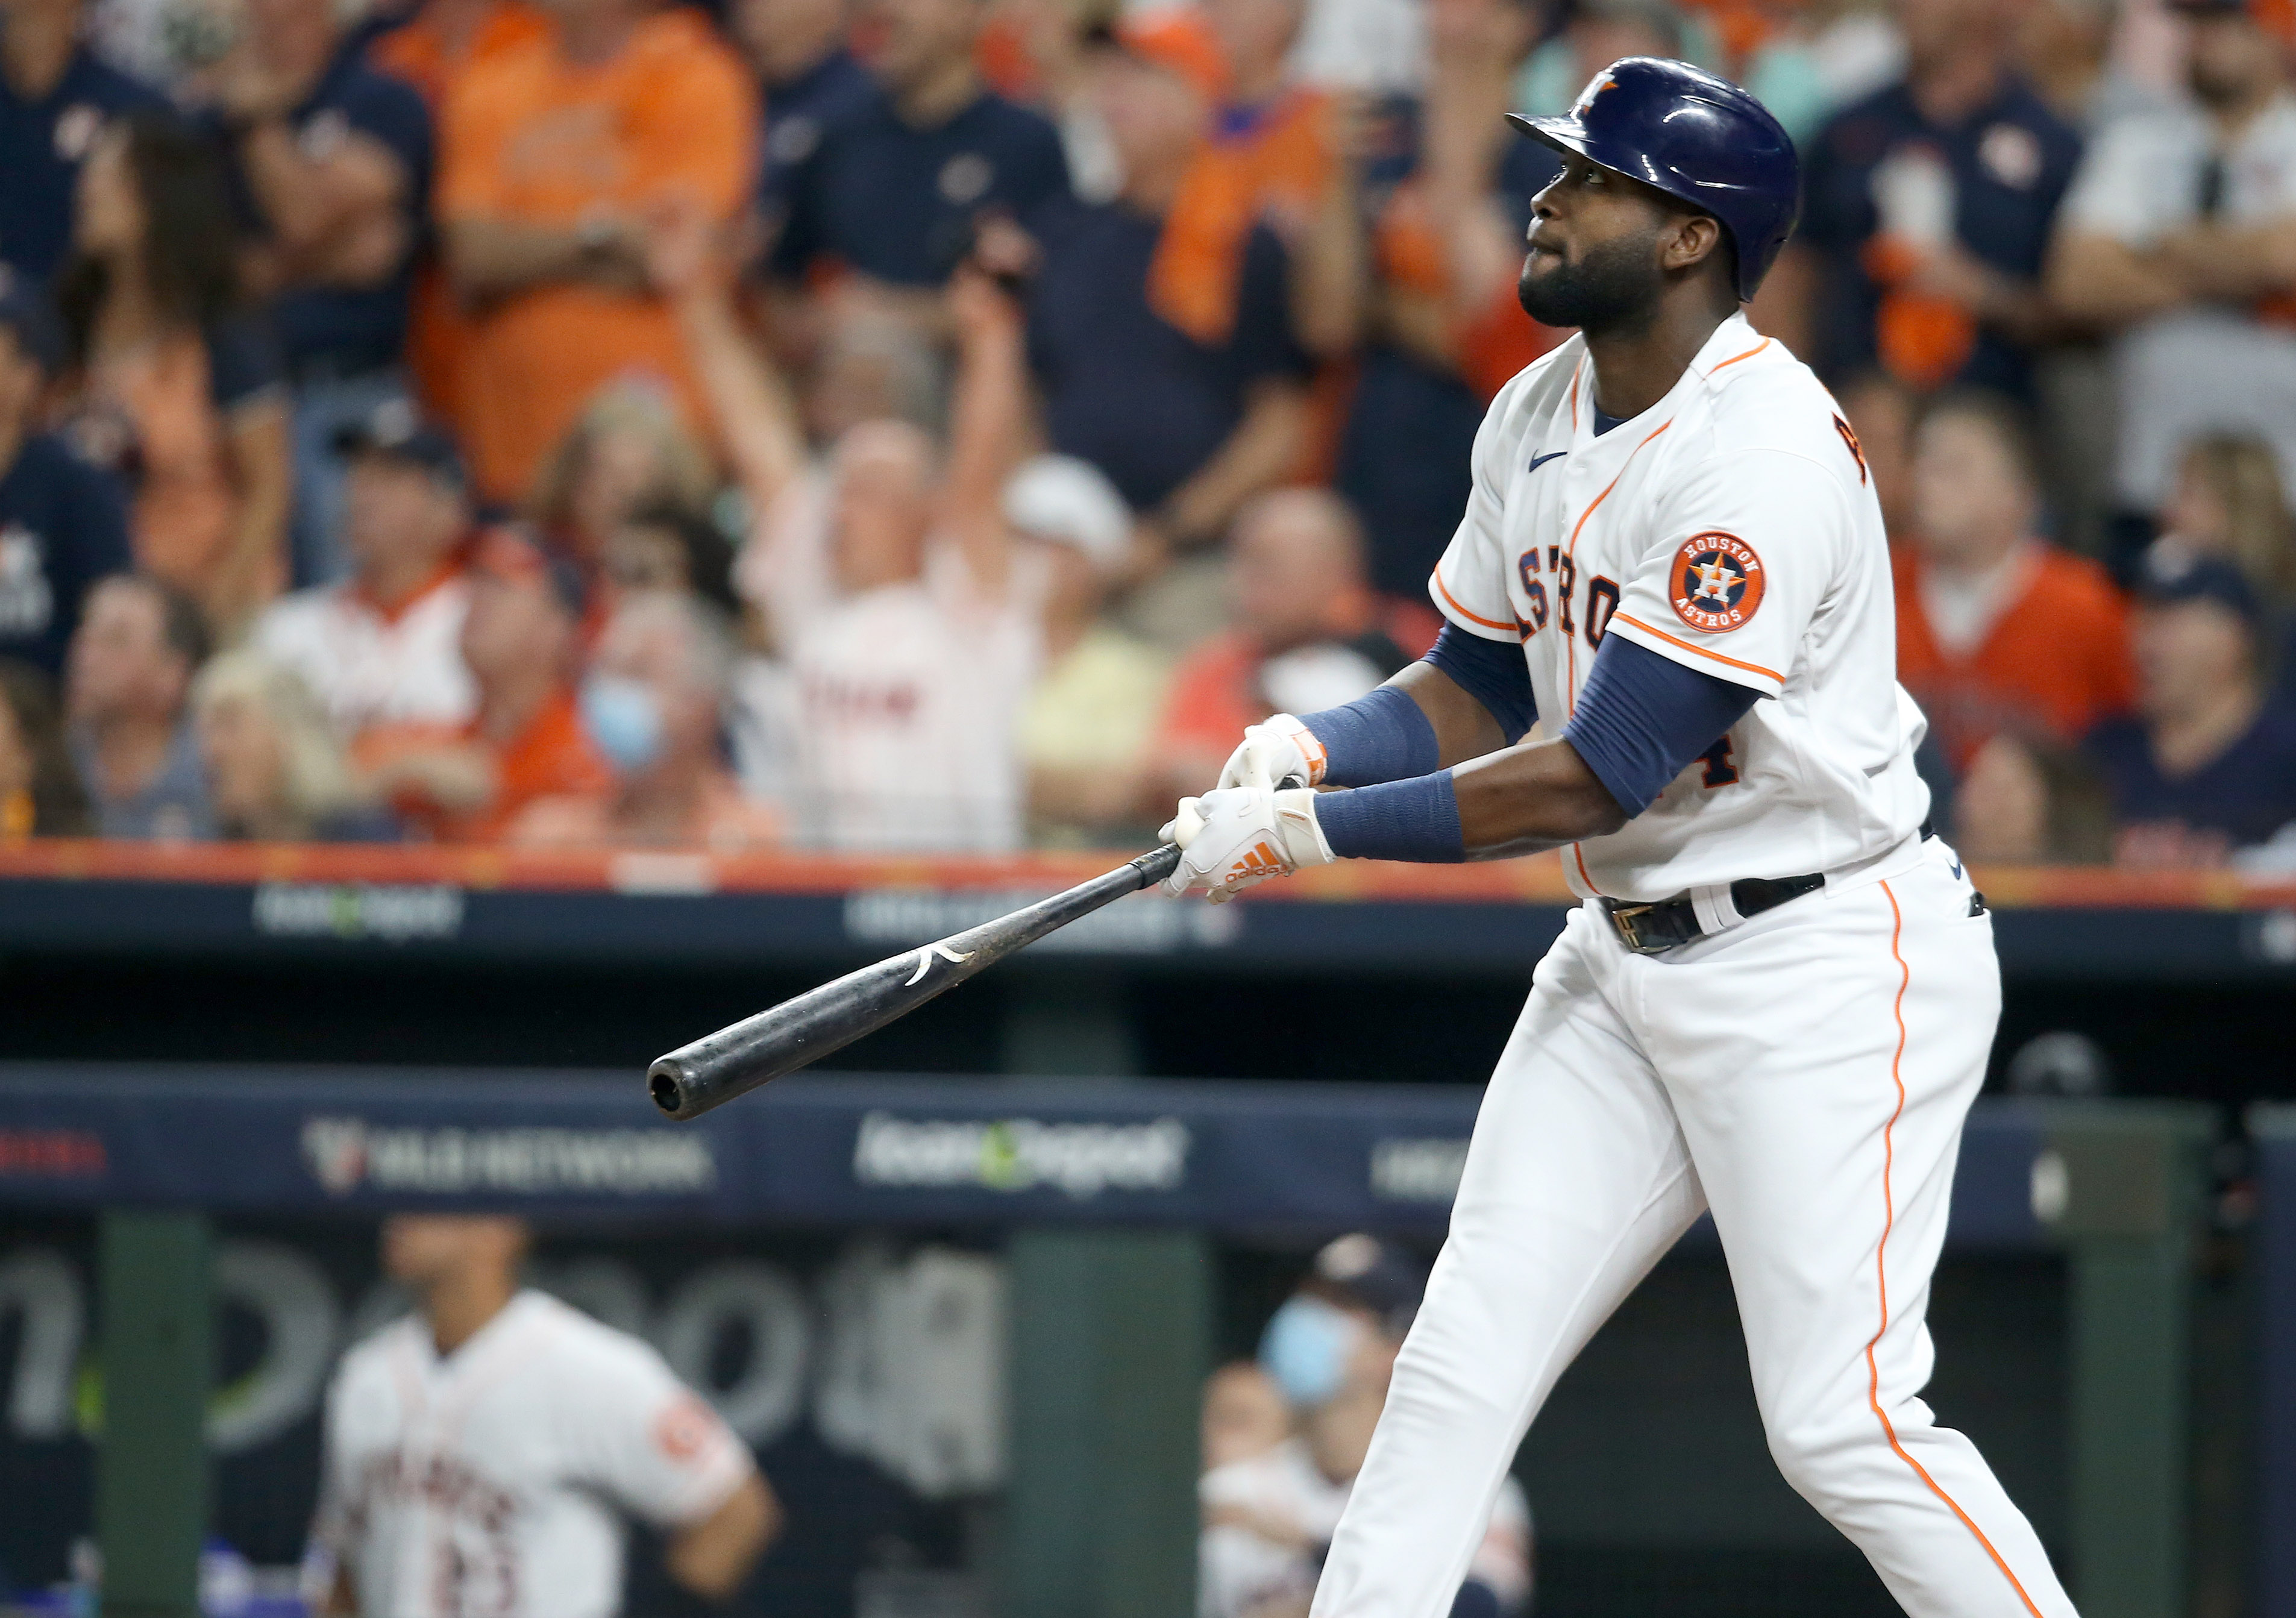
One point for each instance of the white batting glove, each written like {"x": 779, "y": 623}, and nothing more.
{"x": 1238, "y": 835}
{"x": 1272, "y": 753}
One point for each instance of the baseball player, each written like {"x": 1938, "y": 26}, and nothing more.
{"x": 1776, "y": 1001}
{"x": 478, "y": 1449}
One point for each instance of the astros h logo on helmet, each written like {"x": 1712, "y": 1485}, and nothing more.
{"x": 1718, "y": 582}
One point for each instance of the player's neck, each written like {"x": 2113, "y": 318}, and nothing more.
{"x": 459, "y": 1306}
{"x": 1635, "y": 369}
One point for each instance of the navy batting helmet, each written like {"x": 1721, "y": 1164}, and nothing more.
{"x": 1694, "y": 136}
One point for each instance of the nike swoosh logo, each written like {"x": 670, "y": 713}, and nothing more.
{"x": 1538, "y": 461}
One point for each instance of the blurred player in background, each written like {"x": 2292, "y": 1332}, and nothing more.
{"x": 478, "y": 1449}
{"x": 1271, "y": 1499}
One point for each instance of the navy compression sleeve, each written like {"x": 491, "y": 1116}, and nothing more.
{"x": 1386, "y": 737}
{"x": 1642, "y": 718}
{"x": 1493, "y": 673}
{"x": 1382, "y": 735}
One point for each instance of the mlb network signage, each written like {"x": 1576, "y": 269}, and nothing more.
{"x": 819, "y": 1150}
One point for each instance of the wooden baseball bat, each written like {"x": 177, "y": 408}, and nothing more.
{"x": 757, "y": 1050}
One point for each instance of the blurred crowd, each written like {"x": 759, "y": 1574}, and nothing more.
{"x": 945, "y": 424}
{"x": 1285, "y": 1433}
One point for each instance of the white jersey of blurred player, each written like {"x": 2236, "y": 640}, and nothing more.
{"x": 906, "y": 699}
{"x": 1239, "y": 1573}
{"x": 1803, "y": 1073}
{"x": 486, "y": 1485}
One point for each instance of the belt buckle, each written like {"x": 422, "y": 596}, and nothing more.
{"x": 1625, "y": 918}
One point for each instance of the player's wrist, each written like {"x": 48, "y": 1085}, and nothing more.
{"x": 1304, "y": 842}
{"x": 1314, "y": 760}
{"x": 1415, "y": 820}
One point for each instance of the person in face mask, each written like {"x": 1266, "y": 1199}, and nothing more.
{"x": 1267, "y": 1517}
{"x": 650, "y": 706}
{"x": 527, "y": 740}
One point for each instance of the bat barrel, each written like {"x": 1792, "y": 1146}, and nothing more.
{"x": 713, "y": 1070}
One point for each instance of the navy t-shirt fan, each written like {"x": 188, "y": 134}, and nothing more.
{"x": 1411, "y": 426}
{"x": 41, "y": 145}
{"x": 1123, "y": 388}
{"x": 1996, "y": 177}
{"x": 801, "y": 113}
{"x": 63, "y": 525}
{"x": 900, "y": 203}
{"x": 349, "y": 331}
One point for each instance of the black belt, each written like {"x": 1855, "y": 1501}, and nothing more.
{"x": 1668, "y": 924}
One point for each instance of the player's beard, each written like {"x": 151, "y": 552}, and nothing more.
{"x": 1613, "y": 287}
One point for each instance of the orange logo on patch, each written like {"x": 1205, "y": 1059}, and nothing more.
{"x": 1718, "y": 582}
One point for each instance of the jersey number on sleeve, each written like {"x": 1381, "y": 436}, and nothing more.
{"x": 1721, "y": 768}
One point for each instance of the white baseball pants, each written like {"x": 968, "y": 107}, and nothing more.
{"x": 1803, "y": 1075}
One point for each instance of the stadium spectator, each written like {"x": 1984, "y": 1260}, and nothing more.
{"x": 812, "y": 83}
{"x": 560, "y": 1425}
{"x": 1445, "y": 193}
{"x": 1188, "y": 423}
{"x": 1995, "y": 626}
{"x": 2176, "y": 237}
{"x": 1882, "y": 412}
{"x": 433, "y": 50}
{"x": 336, "y": 159}
{"x": 2206, "y": 766}
{"x": 665, "y": 547}
{"x": 1244, "y": 1414}
{"x": 378, "y": 647}
{"x": 171, "y": 380}
{"x": 1927, "y": 212}
{"x": 2030, "y": 799}
{"x": 63, "y": 525}
{"x": 885, "y": 581}
{"x": 627, "y": 451}
{"x": 1331, "y": 1349}
{"x": 898, "y": 188}
{"x": 55, "y": 98}
{"x": 1040, "y": 53}
{"x": 552, "y": 153}
{"x": 1084, "y": 730}
{"x": 40, "y": 790}
{"x": 1280, "y": 154}
{"x": 276, "y": 771}
{"x": 1306, "y": 629}
{"x": 126, "y": 688}
{"x": 2227, "y": 502}
{"x": 652, "y": 706}
{"x": 526, "y": 741}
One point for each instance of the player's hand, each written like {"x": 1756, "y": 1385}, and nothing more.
{"x": 1280, "y": 748}
{"x": 1232, "y": 838}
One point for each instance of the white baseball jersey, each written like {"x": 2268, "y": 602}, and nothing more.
{"x": 1802, "y": 1074}
{"x": 369, "y": 666}
{"x": 486, "y": 1485}
{"x": 907, "y": 697}
{"x": 1731, "y": 527}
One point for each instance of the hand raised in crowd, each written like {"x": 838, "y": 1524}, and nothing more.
{"x": 980, "y": 307}
{"x": 682, "y": 247}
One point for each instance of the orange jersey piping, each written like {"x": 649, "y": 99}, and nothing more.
{"x": 1673, "y": 640}
{"x": 1488, "y": 623}
{"x": 1881, "y": 1253}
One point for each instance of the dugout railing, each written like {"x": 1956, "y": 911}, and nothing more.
{"x": 1110, "y": 1193}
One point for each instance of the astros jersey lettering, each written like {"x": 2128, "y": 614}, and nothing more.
{"x": 1732, "y": 528}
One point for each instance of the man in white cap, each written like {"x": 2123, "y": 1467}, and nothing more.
{"x": 1085, "y": 729}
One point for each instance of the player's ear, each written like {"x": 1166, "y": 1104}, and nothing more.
{"x": 1692, "y": 240}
